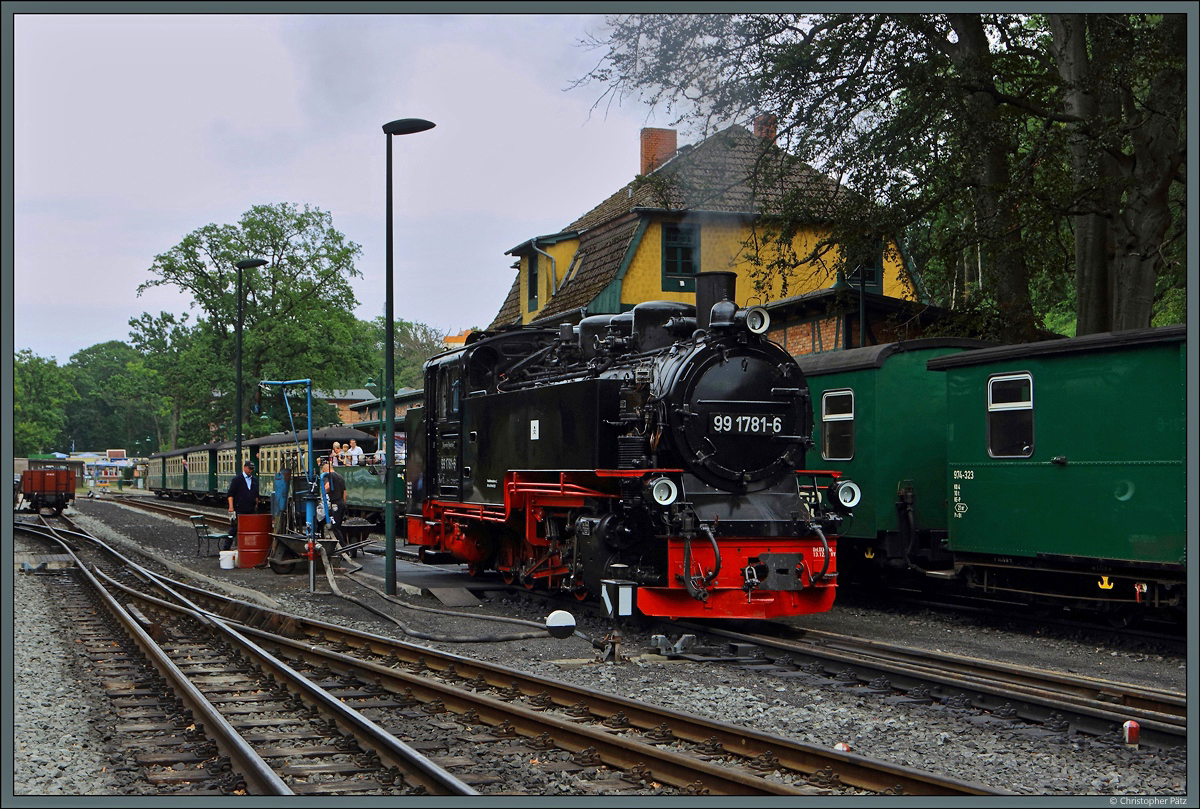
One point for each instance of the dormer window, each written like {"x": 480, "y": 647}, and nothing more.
{"x": 680, "y": 257}
{"x": 532, "y": 282}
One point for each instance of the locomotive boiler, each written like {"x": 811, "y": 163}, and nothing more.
{"x": 664, "y": 446}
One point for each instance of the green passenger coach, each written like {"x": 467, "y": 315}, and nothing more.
{"x": 1065, "y": 474}
{"x": 880, "y": 419}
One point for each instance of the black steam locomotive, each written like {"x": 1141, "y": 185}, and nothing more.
{"x": 663, "y": 446}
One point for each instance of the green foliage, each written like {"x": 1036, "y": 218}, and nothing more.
{"x": 955, "y": 132}
{"x": 118, "y": 397}
{"x": 413, "y": 343}
{"x": 42, "y": 395}
{"x": 296, "y": 314}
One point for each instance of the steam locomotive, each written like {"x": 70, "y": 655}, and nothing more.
{"x": 664, "y": 446}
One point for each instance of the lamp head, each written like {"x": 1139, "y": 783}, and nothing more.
{"x": 250, "y": 263}
{"x": 407, "y": 126}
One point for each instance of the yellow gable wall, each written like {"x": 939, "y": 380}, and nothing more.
{"x": 722, "y": 248}
{"x": 562, "y": 253}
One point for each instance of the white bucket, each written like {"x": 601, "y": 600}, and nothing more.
{"x": 228, "y": 560}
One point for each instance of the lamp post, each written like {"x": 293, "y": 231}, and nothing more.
{"x": 244, "y": 264}
{"x": 403, "y": 126}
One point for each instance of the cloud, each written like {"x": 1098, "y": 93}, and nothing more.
{"x": 133, "y": 130}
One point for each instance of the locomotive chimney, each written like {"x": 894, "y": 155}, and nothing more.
{"x": 711, "y": 288}
{"x": 658, "y": 146}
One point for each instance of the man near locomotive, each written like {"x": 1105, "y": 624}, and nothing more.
{"x": 243, "y": 499}
{"x": 335, "y": 494}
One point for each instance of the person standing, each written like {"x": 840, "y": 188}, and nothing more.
{"x": 243, "y": 499}
{"x": 354, "y": 454}
{"x": 335, "y": 496}
{"x": 335, "y": 456}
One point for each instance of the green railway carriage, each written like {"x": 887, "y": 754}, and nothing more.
{"x": 200, "y": 480}
{"x": 1065, "y": 468}
{"x": 228, "y": 464}
{"x": 364, "y": 491}
{"x": 880, "y": 419}
{"x": 175, "y": 473}
{"x": 156, "y": 473}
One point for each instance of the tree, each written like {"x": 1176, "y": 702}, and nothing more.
{"x": 186, "y": 369}
{"x": 952, "y": 127}
{"x": 414, "y": 343}
{"x": 297, "y": 310}
{"x": 42, "y": 392}
{"x": 117, "y": 397}
{"x": 1124, "y": 88}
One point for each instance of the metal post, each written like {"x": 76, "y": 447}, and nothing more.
{"x": 862, "y": 308}
{"x": 244, "y": 264}
{"x": 404, "y": 126}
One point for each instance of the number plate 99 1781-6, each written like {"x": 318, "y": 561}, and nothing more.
{"x": 746, "y": 424}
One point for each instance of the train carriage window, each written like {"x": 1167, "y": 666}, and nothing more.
{"x": 1010, "y": 416}
{"x": 837, "y": 425}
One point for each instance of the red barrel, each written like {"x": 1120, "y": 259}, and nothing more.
{"x": 253, "y": 539}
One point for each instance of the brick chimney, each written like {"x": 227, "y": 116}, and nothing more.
{"x": 765, "y": 126}
{"x": 658, "y": 146}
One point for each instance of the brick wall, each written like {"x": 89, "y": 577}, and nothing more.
{"x": 809, "y": 337}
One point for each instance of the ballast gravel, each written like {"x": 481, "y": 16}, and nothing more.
{"x": 61, "y": 745}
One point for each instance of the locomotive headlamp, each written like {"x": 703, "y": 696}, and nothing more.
{"x": 757, "y": 320}
{"x": 663, "y": 491}
{"x": 845, "y": 494}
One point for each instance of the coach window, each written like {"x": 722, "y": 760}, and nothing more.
{"x": 837, "y": 425}
{"x": 1010, "y": 416}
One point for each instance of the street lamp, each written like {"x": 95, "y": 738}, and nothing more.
{"x": 244, "y": 264}
{"x": 404, "y": 126}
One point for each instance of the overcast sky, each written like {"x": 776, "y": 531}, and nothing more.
{"x": 131, "y": 131}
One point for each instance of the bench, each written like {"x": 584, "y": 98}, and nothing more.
{"x": 205, "y": 537}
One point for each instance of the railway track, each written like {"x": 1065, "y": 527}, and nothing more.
{"x": 1046, "y": 700}
{"x": 294, "y": 679}
{"x": 1043, "y": 700}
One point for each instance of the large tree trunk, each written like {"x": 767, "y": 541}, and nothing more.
{"x": 1151, "y": 170}
{"x": 998, "y": 223}
{"x": 1092, "y": 171}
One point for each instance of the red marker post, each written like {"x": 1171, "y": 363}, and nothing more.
{"x": 1131, "y": 730}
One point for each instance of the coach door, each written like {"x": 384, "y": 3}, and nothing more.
{"x": 446, "y": 433}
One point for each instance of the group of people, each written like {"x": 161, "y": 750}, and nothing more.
{"x": 350, "y": 455}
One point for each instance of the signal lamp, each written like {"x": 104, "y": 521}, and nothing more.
{"x": 845, "y": 494}
{"x": 663, "y": 491}
{"x": 758, "y": 320}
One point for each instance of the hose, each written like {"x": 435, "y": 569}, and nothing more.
{"x": 414, "y": 633}
{"x": 698, "y": 592}
{"x": 716, "y": 554}
{"x": 824, "y": 544}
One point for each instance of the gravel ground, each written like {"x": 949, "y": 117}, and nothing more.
{"x": 959, "y": 744}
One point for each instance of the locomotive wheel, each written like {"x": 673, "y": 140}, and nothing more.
{"x": 527, "y": 582}
{"x": 580, "y": 593}
{"x": 507, "y": 576}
